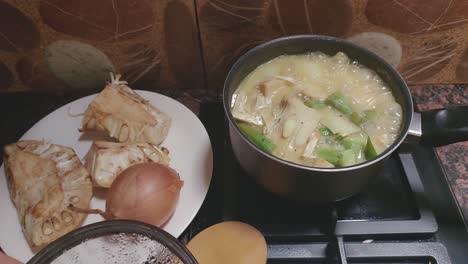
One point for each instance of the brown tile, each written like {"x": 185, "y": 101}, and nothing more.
{"x": 455, "y": 13}
{"x": 99, "y": 20}
{"x": 290, "y": 17}
{"x": 430, "y": 58}
{"x": 182, "y": 45}
{"x": 331, "y": 17}
{"x": 142, "y": 66}
{"x": 18, "y": 32}
{"x": 25, "y": 70}
{"x": 462, "y": 67}
{"x": 217, "y": 67}
{"x": 230, "y": 14}
{"x": 413, "y": 16}
{"x": 78, "y": 64}
{"x": 6, "y": 77}
{"x": 35, "y": 75}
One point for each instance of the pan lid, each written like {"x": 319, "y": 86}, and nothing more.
{"x": 115, "y": 241}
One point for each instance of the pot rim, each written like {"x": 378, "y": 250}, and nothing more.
{"x": 402, "y": 84}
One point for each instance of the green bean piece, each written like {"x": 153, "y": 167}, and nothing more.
{"x": 352, "y": 144}
{"x": 338, "y": 138}
{"x": 370, "y": 151}
{"x": 329, "y": 155}
{"x": 357, "y": 118}
{"x": 324, "y": 131}
{"x": 257, "y": 138}
{"x": 315, "y": 103}
{"x": 370, "y": 114}
{"x": 348, "y": 158}
{"x": 338, "y": 101}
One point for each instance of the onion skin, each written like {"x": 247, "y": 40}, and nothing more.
{"x": 146, "y": 192}
{"x": 4, "y": 259}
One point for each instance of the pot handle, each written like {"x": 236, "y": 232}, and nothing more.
{"x": 444, "y": 126}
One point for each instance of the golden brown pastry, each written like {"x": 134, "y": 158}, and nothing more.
{"x": 106, "y": 160}
{"x": 43, "y": 180}
{"x": 126, "y": 116}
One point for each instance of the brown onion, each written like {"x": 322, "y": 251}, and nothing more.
{"x": 146, "y": 192}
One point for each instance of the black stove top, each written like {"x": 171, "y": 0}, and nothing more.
{"x": 405, "y": 215}
{"x": 387, "y": 206}
{"x": 392, "y": 208}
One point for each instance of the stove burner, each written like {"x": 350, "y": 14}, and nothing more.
{"x": 394, "y": 203}
{"x": 377, "y": 253}
{"x": 335, "y": 250}
{"x": 389, "y": 220}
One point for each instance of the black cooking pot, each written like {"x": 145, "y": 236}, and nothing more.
{"x": 320, "y": 185}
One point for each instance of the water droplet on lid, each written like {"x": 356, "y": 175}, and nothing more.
{"x": 119, "y": 248}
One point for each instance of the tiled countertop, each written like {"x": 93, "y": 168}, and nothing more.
{"x": 454, "y": 157}
{"x": 21, "y": 111}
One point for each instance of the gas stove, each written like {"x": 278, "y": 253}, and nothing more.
{"x": 406, "y": 214}
{"x": 390, "y": 218}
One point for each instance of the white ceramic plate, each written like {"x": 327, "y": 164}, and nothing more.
{"x": 190, "y": 152}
